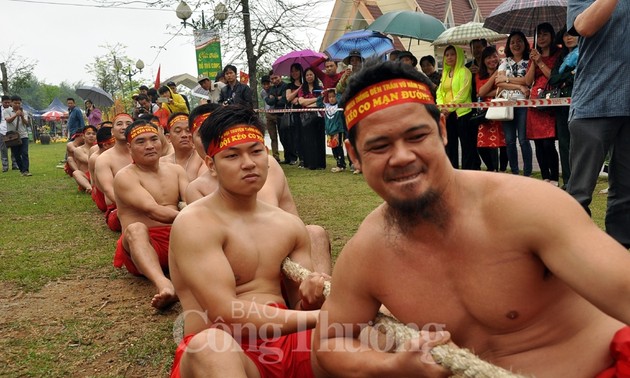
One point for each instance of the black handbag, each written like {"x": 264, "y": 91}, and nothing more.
{"x": 12, "y": 139}
{"x": 547, "y": 93}
{"x": 286, "y": 121}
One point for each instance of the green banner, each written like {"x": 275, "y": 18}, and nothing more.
{"x": 208, "y": 51}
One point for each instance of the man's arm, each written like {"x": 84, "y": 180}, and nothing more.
{"x": 105, "y": 177}
{"x": 182, "y": 180}
{"x": 588, "y": 22}
{"x": 578, "y": 252}
{"x": 71, "y": 162}
{"x": 129, "y": 192}
{"x": 202, "y": 265}
{"x": 348, "y": 309}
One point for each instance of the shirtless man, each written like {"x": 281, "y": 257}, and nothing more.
{"x": 104, "y": 141}
{"x": 100, "y": 126}
{"x": 147, "y": 195}
{"x": 80, "y": 158}
{"x": 275, "y": 192}
{"x": 109, "y": 163}
{"x": 225, "y": 257}
{"x": 76, "y": 142}
{"x": 184, "y": 153}
{"x": 513, "y": 269}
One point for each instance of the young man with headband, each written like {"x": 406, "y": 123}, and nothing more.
{"x": 512, "y": 268}
{"x": 107, "y": 166}
{"x": 225, "y": 257}
{"x": 147, "y": 194}
{"x": 104, "y": 141}
{"x": 76, "y": 141}
{"x": 184, "y": 153}
{"x": 275, "y": 192}
{"x": 80, "y": 158}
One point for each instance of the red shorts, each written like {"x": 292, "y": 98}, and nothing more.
{"x": 620, "y": 352}
{"x": 159, "y": 237}
{"x": 111, "y": 218}
{"x": 67, "y": 169}
{"x": 99, "y": 199}
{"x": 286, "y": 356}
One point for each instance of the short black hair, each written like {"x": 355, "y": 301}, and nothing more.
{"x": 163, "y": 89}
{"x": 90, "y": 127}
{"x": 374, "y": 71}
{"x": 224, "y": 118}
{"x": 103, "y": 134}
{"x": 483, "y": 41}
{"x": 142, "y": 96}
{"x": 16, "y": 98}
{"x": 70, "y": 99}
{"x": 143, "y": 88}
{"x": 230, "y": 67}
{"x": 201, "y": 109}
{"x": 428, "y": 58}
{"x": 5, "y": 97}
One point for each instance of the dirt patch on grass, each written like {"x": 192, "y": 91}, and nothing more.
{"x": 95, "y": 325}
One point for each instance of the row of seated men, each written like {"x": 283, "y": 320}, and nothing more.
{"x": 142, "y": 200}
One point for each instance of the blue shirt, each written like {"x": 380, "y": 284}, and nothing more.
{"x": 602, "y": 79}
{"x": 75, "y": 121}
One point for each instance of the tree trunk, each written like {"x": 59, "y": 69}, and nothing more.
{"x": 252, "y": 59}
{"x": 5, "y": 79}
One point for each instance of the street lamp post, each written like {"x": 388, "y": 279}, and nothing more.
{"x": 183, "y": 12}
{"x": 131, "y": 73}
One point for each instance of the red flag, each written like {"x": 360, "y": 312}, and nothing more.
{"x": 244, "y": 77}
{"x": 157, "y": 78}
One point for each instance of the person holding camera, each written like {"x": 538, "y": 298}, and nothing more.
{"x": 235, "y": 93}
{"x": 173, "y": 102}
{"x": 18, "y": 120}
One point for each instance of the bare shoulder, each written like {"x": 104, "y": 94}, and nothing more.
{"x": 515, "y": 200}
{"x": 167, "y": 158}
{"x": 171, "y": 167}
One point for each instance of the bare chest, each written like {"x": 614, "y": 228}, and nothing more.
{"x": 473, "y": 288}
{"x": 254, "y": 256}
{"x": 163, "y": 187}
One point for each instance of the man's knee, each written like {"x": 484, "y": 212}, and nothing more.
{"x": 136, "y": 233}
{"x": 208, "y": 349}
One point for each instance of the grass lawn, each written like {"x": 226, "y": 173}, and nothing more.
{"x": 64, "y": 309}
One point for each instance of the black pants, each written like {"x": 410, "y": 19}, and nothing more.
{"x": 288, "y": 138}
{"x": 460, "y": 130}
{"x": 547, "y": 157}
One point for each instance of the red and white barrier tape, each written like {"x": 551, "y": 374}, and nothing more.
{"x": 563, "y": 101}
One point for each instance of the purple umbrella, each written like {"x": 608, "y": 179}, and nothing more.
{"x": 525, "y": 15}
{"x": 368, "y": 42}
{"x": 282, "y": 65}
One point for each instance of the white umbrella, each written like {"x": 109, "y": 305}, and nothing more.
{"x": 463, "y": 34}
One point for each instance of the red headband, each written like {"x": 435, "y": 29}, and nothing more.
{"x": 238, "y": 134}
{"x": 385, "y": 93}
{"x": 140, "y": 130}
{"x": 198, "y": 121}
{"x": 177, "y": 118}
{"x": 122, "y": 114}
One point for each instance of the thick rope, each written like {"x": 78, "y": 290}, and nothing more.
{"x": 461, "y": 362}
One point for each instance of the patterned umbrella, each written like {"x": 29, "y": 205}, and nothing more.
{"x": 368, "y": 42}
{"x": 54, "y": 115}
{"x": 525, "y": 15}
{"x": 463, "y": 34}
{"x": 409, "y": 24}
{"x": 282, "y": 65}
